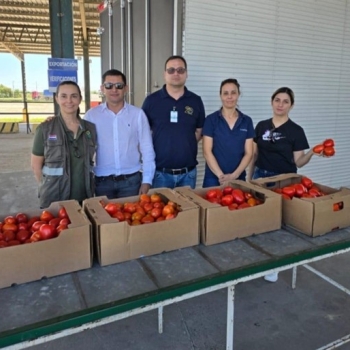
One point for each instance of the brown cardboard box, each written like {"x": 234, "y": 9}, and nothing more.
{"x": 118, "y": 241}
{"x": 219, "y": 224}
{"x": 311, "y": 216}
{"x": 70, "y": 251}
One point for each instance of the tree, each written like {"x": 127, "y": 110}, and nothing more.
{"x": 5, "y": 91}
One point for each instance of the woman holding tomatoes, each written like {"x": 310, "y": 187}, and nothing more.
{"x": 63, "y": 151}
{"x": 279, "y": 144}
{"x": 227, "y": 139}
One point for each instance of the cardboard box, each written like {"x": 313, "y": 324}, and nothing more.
{"x": 219, "y": 224}
{"x": 118, "y": 241}
{"x": 311, "y": 216}
{"x": 70, "y": 251}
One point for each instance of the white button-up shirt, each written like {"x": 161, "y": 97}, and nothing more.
{"x": 124, "y": 142}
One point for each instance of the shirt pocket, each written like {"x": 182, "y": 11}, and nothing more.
{"x": 54, "y": 151}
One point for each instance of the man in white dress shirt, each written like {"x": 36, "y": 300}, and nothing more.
{"x": 125, "y": 158}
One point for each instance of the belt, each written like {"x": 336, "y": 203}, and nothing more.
{"x": 176, "y": 171}
{"x": 117, "y": 177}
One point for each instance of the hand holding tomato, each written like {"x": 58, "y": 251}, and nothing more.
{"x": 325, "y": 149}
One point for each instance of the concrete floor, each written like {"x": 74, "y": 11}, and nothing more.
{"x": 269, "y": 316}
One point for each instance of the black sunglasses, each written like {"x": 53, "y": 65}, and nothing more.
{"x": 179, "y": 70}
{"x": 118, "y": 86}
{"x": 76, "y": 151}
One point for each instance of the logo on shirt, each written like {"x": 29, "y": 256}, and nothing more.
{"x": 272, "y": 135}
{"x": 52, "y": 137}
{"x": 243, "y": 130}
{"x": 189, "y": 110}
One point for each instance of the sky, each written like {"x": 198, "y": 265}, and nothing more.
{"x": 36, "y": 72}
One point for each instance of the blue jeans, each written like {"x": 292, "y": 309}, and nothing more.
{"x": 105, "y": 186}
{"x": 171, "y": 181}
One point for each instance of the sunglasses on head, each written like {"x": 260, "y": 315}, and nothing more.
{"x": 179, "y": 70}
{"x": 118, "y": 86}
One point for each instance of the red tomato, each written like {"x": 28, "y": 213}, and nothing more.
{"x": 119, "y": 215}
{"x": 243, "y": 206}
{"x": 227, "y": 190}
{"x": 251, "y": 202}
{"x": 55, "y": 222}
{"x": 36, "y": 225}
{"x": 62, "y": 213}
{"x": 227, "y": 200}
{"x": 170, "y": 216}
{"x": 238, "y": 196}
{"x": 318, "y": 149}
{"x": 32, "y": 220}
{"x": 156, "y": 212}
{"x": 9, "y": 227}
{"x": 23, "y": 226}
{"x": 35, "y": 237}
{"x": 247, "y": 195}
{"x": 233, "y": 206}
{"x": 46, "y": 216}
{"x": 158, "y": 205}
{"x": 22, "y": 235}
{"x": 21, "y": 218}
{"x": 306, "y": 182}
{"x": 60, "y": 228}
{"x": 215, "y": 200}
{"x": 10, "y": 220}
{"x": 8, "y": 236}
{"x": 211, "y": 194}
{"x": 13, "y": 242}
{"x": 145, "y": 198}
{"x": 3, "y": 244}
{"x": 168, "y": 209}
{"x": 284, "y": 196}
{"x": 328, "y": 143}
{"x": 161, "y": 218}
{"x": 147, "y": 219}
{"x": 329, "y": 151}
{"x": 148, "y": 207}
{"x": 136, "y": 216}
{"x": 299, "y": 190}
{"x": 64, "y": 221}
{"x": 155, "y": 198}
{"x": 111, "y": 208}
{"x": 135, "y": 222}
{"x": 278, "y": 190}
{"x": 289, "y": 191}
{"x": 306, "y": 195}
{"x": 47, "y": 231}
{"x": 313, "y": 192}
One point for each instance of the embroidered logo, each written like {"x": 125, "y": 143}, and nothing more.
{"x": 189, "y": 110}
{"x": 52, "y": 137}
{"x": 88, "y": 134}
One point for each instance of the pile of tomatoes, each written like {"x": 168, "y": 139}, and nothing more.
{"x": 148, "y": 209}
{"x": 326, "y": 148}
{"x": 233, "y": 198}
{"x": 20, "y": 229}
{"x": 305, "y": 189}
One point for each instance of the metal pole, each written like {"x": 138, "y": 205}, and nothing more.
{"x": 175, "y": 27}
{"x": 230, "y": 317}
{"x": 122, "y": 35}
{"x": 147, "y": 51}
{"x": 24, "y": 91}
{"x": 110, "y": 32}
{"x": 130, "y": 53}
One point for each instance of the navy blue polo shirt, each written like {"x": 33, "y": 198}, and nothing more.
{"x": 228, "y": 145}
{"x": 175, "y": 144}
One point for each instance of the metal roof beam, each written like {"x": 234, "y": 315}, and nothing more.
{"x": 11, "y": 47}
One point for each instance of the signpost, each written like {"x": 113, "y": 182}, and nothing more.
{"x": 61, "y": 69}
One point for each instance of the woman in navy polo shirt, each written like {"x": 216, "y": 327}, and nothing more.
{"x": 227, "y": 139}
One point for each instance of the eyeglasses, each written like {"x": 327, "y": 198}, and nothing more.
{"x": 179, "y": 70}
{"x": 118, "y": 86}
{"x": 76, "y": 151}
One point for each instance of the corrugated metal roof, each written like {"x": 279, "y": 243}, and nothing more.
{"x": 25, "y": 26}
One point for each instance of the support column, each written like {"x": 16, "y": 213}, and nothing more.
{"x": 86, "y": 75}
{"x": 62, "y": 33}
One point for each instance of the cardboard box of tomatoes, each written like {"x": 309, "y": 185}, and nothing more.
{"x": 117, "y": 241}
{"x": 220, "y": 221}
{"x": 67, "y": 251}
{"x": 324, "y": 210}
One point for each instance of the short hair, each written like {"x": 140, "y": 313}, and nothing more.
{"x": 230, "y": 81}
{"x": 285, "y": 90}
{"x": 175, "y": 57}
{"x": 114, "y": 72}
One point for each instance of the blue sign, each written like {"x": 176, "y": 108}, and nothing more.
{"x": 56, "y": 76}
{"x": 63, "y": 64}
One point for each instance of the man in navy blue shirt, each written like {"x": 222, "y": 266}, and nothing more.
{"x": 176, "y": 116}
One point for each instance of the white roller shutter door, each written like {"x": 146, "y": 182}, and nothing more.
{"x": 304, "y": 45}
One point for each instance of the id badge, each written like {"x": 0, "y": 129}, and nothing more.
{"x": 173, "y": 116}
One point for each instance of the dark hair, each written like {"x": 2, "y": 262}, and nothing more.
{"x": 285, "y": 90}
{"x": 230, "y": 81}
{"x": 70, "y": 82}
{"x": 175, "y": 57}
{"x": 114, "y": 72}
